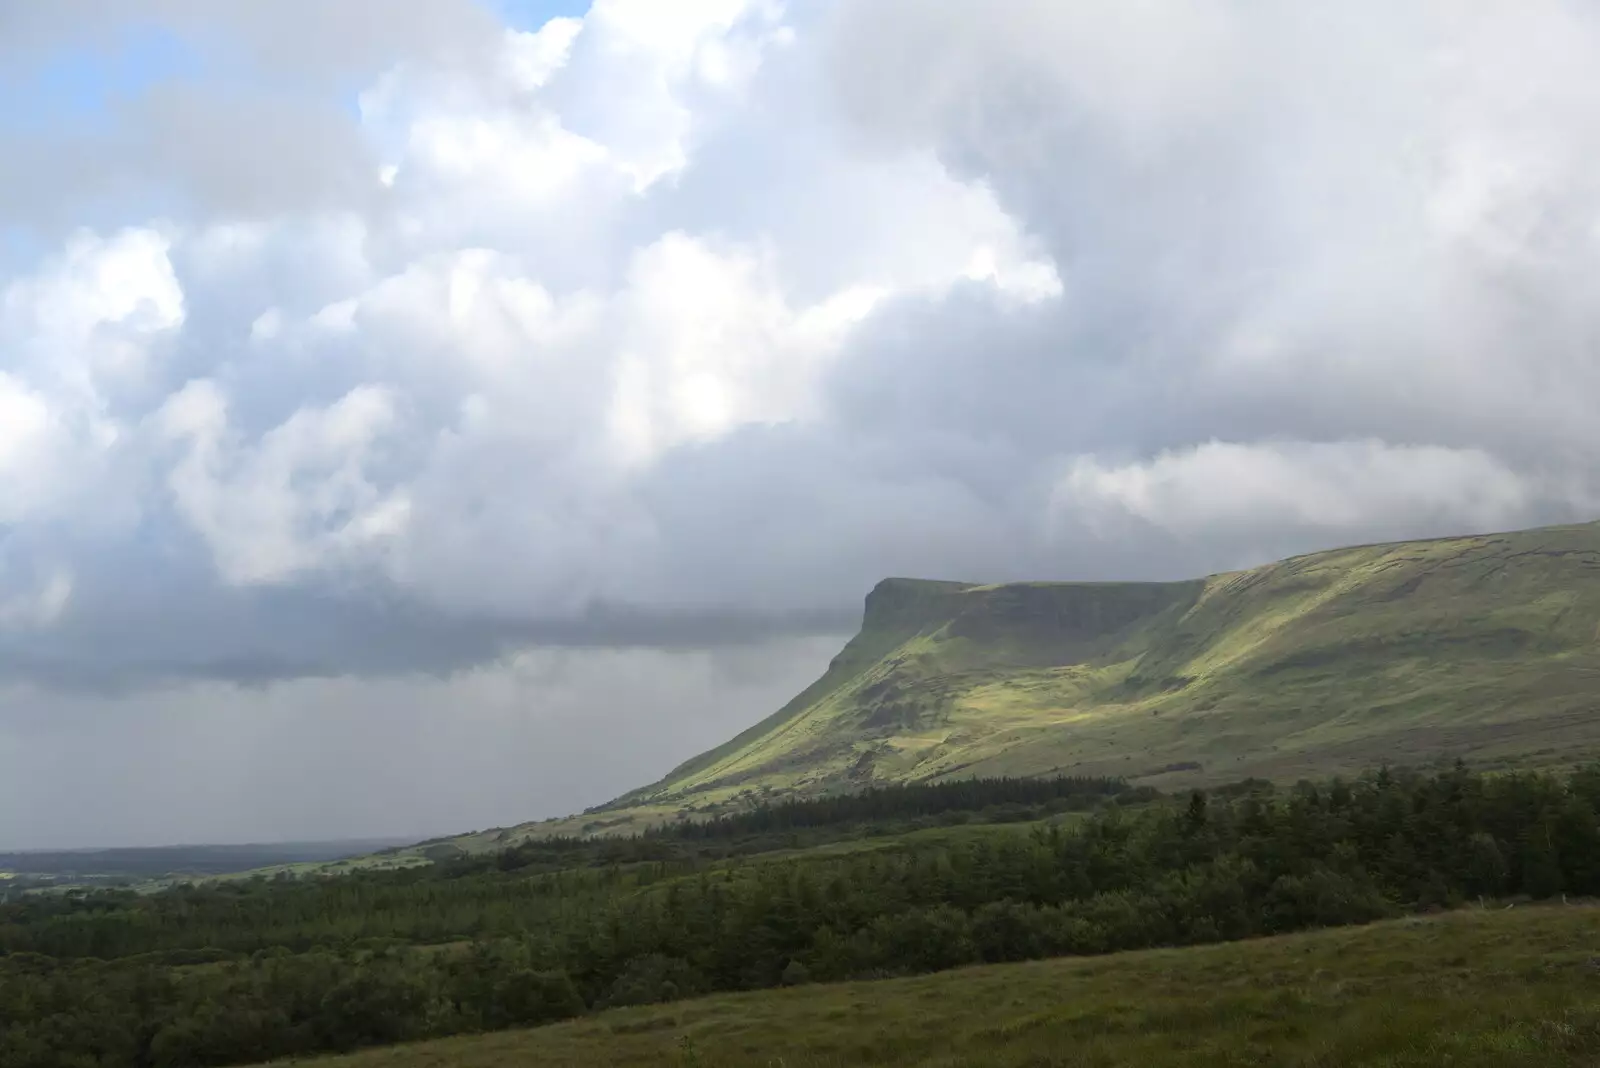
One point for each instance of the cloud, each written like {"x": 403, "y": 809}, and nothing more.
{"x": 366, "y": 348}
{"x": 297, "y": 497}
{"x": 1334, "y": 485}
{"x": 559, "y": 351}
{"x": 38, "y": 608}
{"x": 213, "y": 110}
{"x": 305, "y": 38}
{"x": 1249, "y": 502}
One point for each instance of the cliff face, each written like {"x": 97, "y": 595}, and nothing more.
{"x": 905, "y": 604}
{"x": 1080, "y": 610}
{"x": 1483, "y": 647}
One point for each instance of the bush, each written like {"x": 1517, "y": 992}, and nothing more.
{"x": 653, "y": 978}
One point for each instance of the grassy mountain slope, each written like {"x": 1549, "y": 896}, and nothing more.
{"x": 1484, "y": 647}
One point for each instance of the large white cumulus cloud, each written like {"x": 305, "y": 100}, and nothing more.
{"x": 719, "y": 311}
{"x": 375, "y": 339}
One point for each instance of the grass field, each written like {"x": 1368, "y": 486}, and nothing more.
{"x": 1500, "y": 988}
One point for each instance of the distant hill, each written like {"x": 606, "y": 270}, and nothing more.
{"x": 134, "y": 864}
{"x": 1485, "y": 648}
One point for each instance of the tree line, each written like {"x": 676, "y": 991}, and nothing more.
{"x": 807, "y": 822}
{"x": 228, "y": 974}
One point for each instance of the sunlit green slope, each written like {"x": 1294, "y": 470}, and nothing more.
{"x": 1481, "y": 647}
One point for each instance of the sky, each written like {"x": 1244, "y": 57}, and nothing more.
{"x": 425, "y": 415}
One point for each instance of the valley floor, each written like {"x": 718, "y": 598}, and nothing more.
{"x": 1478, "y": 987}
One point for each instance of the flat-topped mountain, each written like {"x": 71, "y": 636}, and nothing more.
{"x": 1485, "y": 648}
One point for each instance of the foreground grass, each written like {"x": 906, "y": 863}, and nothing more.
{"x": 1518, "y": 987}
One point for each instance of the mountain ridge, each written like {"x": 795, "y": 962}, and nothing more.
{"x": 1485, "y": 647}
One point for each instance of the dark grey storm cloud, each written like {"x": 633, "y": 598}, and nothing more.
{"x": 108, "y": 645}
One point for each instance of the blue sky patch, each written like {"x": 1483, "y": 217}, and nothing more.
{"x": 76, "y": 89}
{"x": 531, "y": 14}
